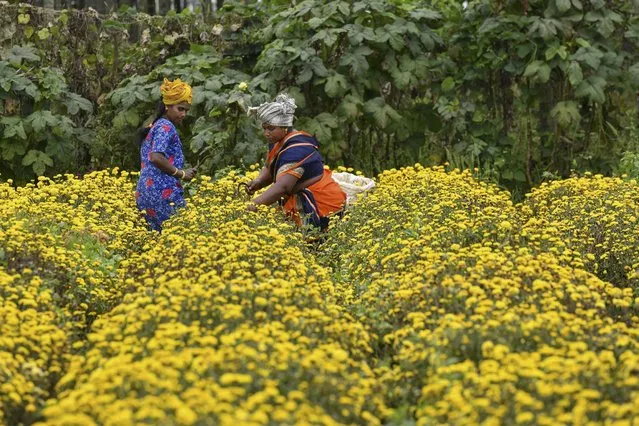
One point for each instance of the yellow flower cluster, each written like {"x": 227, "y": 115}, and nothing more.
{"x": 33, "y": 344}
{"x": 413, "y": 208}
{"x": 228, "y": 321}
{"x": 435, "y": 300}
{"x": 596, "y": 217}
{"x": 60, "y": 243}
{"x": 482, "y": 314}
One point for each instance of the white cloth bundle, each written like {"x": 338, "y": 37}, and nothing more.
{"x": 353, "y": 185}
{"x": 280, "y": 112}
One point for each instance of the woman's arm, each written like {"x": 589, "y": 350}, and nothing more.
{"x": 160, "y": 161}
{"x": 283, "y": 186}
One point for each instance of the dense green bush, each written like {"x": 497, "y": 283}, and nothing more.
{"x": 536, "y": 87}
{"x": 359, "y": 70}
{"x": 521, "y": 90}
{"x": 216, "y": 133}
{"x": 39, "y": 117}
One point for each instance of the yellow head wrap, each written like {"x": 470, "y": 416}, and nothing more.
{"x": 175, "y": 92}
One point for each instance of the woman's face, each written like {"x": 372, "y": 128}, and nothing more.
{"x": 274, "y": 134}
{"x": 177, "y": 112}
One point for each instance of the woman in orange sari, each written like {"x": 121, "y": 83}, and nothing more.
{"x": 294, "y": 169}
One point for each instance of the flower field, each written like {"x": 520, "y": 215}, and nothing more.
{"x": 435, "y": 300}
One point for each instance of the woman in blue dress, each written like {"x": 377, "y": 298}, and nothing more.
{"x": 159, "y": 191}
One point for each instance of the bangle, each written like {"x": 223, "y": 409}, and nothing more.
{"x": 183, "y": 174}
{"x": 176, "y": 171}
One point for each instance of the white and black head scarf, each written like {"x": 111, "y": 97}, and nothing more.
{"x": 280, "y": 112}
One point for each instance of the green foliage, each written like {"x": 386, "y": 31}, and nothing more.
{"x": 518, "y": 89}
{"x": 544, "y": 85}
{"x": 217, "y": 132}
{"x": 355, "y": 69}
{"x": 96, "y": 52}
{"x": 38, "y": 117}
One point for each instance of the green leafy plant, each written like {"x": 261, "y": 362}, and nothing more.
{"x": 546, "y": 85}
{"x": 215, "y": 135}
{"x": 39, "y": 117}
{"x": 356, "y": 70}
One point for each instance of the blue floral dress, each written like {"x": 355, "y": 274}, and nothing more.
{"x": 159, "y": 194}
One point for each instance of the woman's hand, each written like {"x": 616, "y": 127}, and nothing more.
{"x": 262, "y": 180}
{"x": 189, "y": 174}
{"x": 253, "y": 186}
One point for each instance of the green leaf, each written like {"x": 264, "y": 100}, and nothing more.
{"x": 538, "y": 71}
{"x": 328, "y": 120}
{"x": 351, "y": 107}
{"x": 12, "y": 147}
{"x": 336, "y": 85}
{"x": 30, "y": 158}
{"x": 304, "y": 76}
{"x": 213, "y": 84}
{"x": 426, "y": 14}
{"x": 448, "y": 84}
{"x": 344, "y": 7}
{"x": 132, "y": 117}
{"x": 524, "y": 50}
{"x": 356, "y": 60}
{"x": 591, "y": 56}
{"x": 74, "y": 103}
{"x": 489, "y": 25}
{"x": 402, "y": 79}
{"x": 54, "y": 82}
{"x": 23, "y": 53}
{"x": 44, "y": 34}
{"x": 318, "y": 67}
{"x": 575, "y": 75}
{"x": 532, "y": 68}
{"x": 396, "y": 41}
{"x": 203, "y": 135}
{"x": 119, "y": 121}
{"x": 562, "y": 5}
{"x": 39, "y": 120}
{"x": 545, "y": 28}
{"x": 554, "y": 50}
{"x": 382, "y": 113}
{"x": 321, "y": 126}
{"x": 315, "y": 22}
{"x": 38, "y": 161}
{"x": 327, "y": 35}
{"x": 592, "y": 89}
{"x": 13, "y": 127}
{"x": 566, "y": 114}
{"x": 582, "y": 42}
{"x": 7, "y": 31}
{"x": 543, "y": 73}
{"x": 478, "y": 116}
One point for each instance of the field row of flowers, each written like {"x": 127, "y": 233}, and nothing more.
{"x": 435, "y": 299}
{"x": 60, "y": 244}
{"x": 489, "y": 312}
